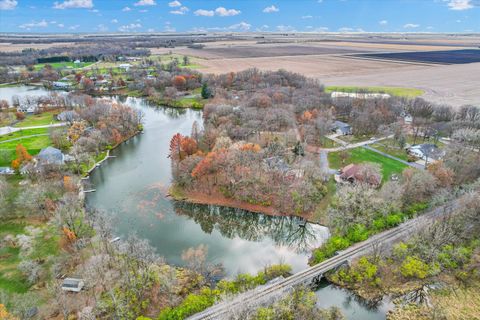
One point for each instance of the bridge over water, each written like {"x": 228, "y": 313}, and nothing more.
{"x": 313, "y": 274}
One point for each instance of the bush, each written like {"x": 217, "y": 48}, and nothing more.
{"x": 413, "y": 267}
{"x": 329, "y": 249}
{"x": 357, "y": 233}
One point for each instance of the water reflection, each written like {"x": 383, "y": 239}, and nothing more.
{"x": 351, "y": 305}
{"x": 231, "y": 223}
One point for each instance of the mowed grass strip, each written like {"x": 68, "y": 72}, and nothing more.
{"x": 362, "y": 155}
{"x": 32, "y": 139}
{"x": 41, "y": 119}
{"x": 394, "y": 91}
{"x": 62, "y": 65}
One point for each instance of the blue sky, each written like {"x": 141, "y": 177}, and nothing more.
{"x": 242, "y": 15}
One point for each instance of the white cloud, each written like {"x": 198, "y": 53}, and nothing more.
{"x": 174, "y": 4}
{"x": 74, "y": 27}
{"x": 181, "y": 10}
{"x": 94, "y": 11}
{"x": 283, "y": 28}
{"x": 411, "y": 25}
{"x": 143, "y": 11}
{"x": 383, "y": 22}
{"x": 145, "y": 3}
{"x": 307, "y": 17}
{"x": 151, "y": 30}
{"x": 321, "y": 29}
{"x": 8, "y": 4}
{"x": 169, "y": 28}
{"x": 53, "y": 22}
{"x": 204, "y": 13}
{"x": 223, "y": 12}
{"x": 129, "y": 27}
{"x": 242, "y": 26}
{"x": 60, "y": 25}
{"x": 460, "y": 5}
{"x": 220, "y": 11}
{"x": 320, "y": 1}
{"x": 271, "y": 9}
{"x": 70, "y": 4}
{"x": 114, "y": 21}
{"x": 347, "y": 29}
{"x": 126, "y": 9}
{"x": 102, "y": 28}
{"x": 33, "y": 24}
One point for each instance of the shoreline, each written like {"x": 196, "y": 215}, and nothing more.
{"x": 216, "y": 199}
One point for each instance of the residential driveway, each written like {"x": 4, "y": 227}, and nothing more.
{"x": 411, "y": 164}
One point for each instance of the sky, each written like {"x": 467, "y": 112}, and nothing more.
{"x": 76, "y": 16}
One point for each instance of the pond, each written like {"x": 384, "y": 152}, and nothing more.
{"x": 133, "y": 187}
{"x": 7, "y": 93}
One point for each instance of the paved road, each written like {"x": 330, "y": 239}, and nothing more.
{"x": 268, "y": 292}
{"x": 411, "y": 164}
{"x": 8, "y": 130}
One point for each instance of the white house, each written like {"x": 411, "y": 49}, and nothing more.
{"x": 125, "y": 66}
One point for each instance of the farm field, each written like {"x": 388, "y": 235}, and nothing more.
{"x": 394, "y": 91}
{"x": 362, "y": 155}
{"x": 442, "y": 57}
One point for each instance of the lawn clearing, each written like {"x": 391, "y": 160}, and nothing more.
{"x": 63, "y": 65}
{"x": 32, "y": 139}
{"x": 41, "y": 119}
{"x": 362, "y": 155}
{"x": 394, "y": 91}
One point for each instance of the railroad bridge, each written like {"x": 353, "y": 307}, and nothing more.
{"x": 276, "y": 289}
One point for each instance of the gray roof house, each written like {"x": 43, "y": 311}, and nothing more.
{"x": 51, "y": 155}
{"x": 342, "y": 128}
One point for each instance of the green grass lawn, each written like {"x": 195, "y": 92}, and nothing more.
{"x": 362, "y": 155}
{"x": 41, "y": 119}
{"x": 11, "y": 279}
{"x": 33, "y": 144}
{"x": 62, "y": 65}
{"x": 394, "y": 91}
{"x": 393, "y": 150}
{"x": 44, "y": 245}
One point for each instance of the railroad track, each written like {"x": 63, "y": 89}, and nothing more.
{"x": 259, "y": 295}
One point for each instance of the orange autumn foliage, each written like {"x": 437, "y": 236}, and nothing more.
{"x": 179, "y": 82}
{"x": 4, "y": 315}
{"x": 22, "y": 157}
{"x": 68, "y": 184}
{"x": 253, "y": 147}
{"x": 188, "y": 145}
{"x": 69, "y": 234}
{"x": 443, "y": 174}
{"x": 206, "y": 164}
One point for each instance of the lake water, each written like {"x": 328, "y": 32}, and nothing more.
{"x": 7, "y": 93}
{"x": 132, "y": 187}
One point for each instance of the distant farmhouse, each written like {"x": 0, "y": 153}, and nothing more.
{"x": 341, "y": 128}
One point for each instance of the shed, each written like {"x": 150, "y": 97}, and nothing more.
{"x": 72, "y": 284}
